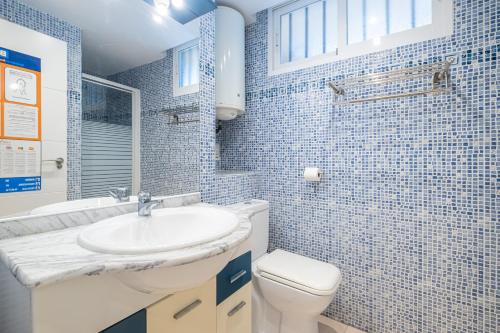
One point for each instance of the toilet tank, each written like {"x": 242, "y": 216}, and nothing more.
{"x": 258, "y": 211}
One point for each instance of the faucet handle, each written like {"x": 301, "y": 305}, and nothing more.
{"x": 120, "y": 193}
{"x": 144, "y": 197}
{"x": 121, "y": 190}
{"x": 145, "y": 204}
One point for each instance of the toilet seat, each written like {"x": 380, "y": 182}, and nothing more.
{"x": 299, "y": 272}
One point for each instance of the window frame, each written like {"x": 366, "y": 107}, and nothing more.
{"x": 191, "y": 89}
{"x": 441, "y": 26}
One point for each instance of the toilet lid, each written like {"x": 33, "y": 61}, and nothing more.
{"x": 296, "y": 271}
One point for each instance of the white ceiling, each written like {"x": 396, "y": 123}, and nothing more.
{"x": 250, "y": 7}
{"x": 118, "y": 34}
{"x": 121, "y": 34}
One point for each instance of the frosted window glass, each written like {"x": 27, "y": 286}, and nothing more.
{"x": 355, "y": 21}
{"x": 298, "y": 34}
{"x": 315, "y": 29}
{"x": 331, "y": 26}
{"x": 423, "y": 12}
{"x": 182, "y": 70}
{"x": 308, "y": 31}
{"x": 368, "y": 19}
{"x": 194, "y": 68}
{"x": 285, "y": 38}
{"x": 400, "y": 15}
{"x": 376, "y": 20}
{"x": 188, "y": 66}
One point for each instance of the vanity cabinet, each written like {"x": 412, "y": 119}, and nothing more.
{"x": 236, "y": 274}
{"x": 222, "y": 305}
{"x": 136, "y": 323}
{"x": 234, "y": 315}
{"x": 189, "y": 311}
{"x": 234, "y": 296}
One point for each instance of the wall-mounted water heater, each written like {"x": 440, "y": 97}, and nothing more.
{"x": 229, "y": 63}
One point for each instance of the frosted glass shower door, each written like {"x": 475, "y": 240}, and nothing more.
{"x": 107, "y": 138}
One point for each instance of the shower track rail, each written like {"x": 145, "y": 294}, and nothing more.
{"x": 439, "y": 73}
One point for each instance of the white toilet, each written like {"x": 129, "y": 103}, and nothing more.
{"x": 290, "y": 291}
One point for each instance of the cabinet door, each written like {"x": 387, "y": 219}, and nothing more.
{"x": 136, "y": 323}
{"x": 234, "y": 315}
{"x": 236, "y": 274}
{"x": 190, "y": 311}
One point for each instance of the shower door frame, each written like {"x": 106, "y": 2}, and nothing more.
{"x": 136, "y": 124}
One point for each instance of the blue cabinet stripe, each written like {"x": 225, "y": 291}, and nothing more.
{"x": 136, "y": 323}
{"x": 235, "y": 275}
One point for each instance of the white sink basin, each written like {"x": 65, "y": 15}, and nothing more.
{"x": 66, "y": 206}
{"x": 169, "y": 232}
{"x": 165, "y": 230}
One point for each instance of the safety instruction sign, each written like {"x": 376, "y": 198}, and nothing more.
{"x": 20, "y": 122}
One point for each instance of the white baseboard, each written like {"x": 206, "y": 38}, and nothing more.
{"x": 337, "y": 326}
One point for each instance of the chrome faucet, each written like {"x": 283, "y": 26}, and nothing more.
{"x": 145, "y": 204}
{"x": 120, "y": 194}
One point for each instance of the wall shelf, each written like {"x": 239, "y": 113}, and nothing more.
{"x": 176, "y": 114}
{"x": 435, "y": 79}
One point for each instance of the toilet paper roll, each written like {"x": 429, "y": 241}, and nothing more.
{"x": 312, "y": 174}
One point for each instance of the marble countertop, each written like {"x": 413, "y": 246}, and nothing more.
{"x": 49, "y": 257}
{"x": 36, "y": 224}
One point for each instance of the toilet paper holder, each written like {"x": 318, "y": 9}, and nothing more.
{"x": 313, "y": 174}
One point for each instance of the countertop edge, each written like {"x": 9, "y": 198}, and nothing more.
{"x": 20, "y": 269}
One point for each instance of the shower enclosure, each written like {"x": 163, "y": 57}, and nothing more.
{"x": 110, "y": 137}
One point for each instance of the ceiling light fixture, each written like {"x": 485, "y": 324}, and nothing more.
{"x": 157, "y": 19}
{"x": 161, "y": 7}
{"x": 178, "y": 3}
{"x": 182, "y": 11}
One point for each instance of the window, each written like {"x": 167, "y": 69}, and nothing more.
{"x": 310, "y": 32}
{"x": 307, "y": 30}
{"x": 372, "y": 19}
{"x": 186, "y": 68}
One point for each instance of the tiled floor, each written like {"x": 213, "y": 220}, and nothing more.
{"x": 327, "y": 325}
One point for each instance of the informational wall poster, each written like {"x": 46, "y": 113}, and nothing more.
{"x": 20, "y": 122}
{"x": 20, "y": 166}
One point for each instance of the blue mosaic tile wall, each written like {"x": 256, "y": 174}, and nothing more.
{"x": 28, "y": 17}
{"x": 169, "y": 153}
{"x": 216, "y": 186}
{"x": 208, "y": 167}
{"x": 235, "y": 186}
{"x": 408, "y": 207}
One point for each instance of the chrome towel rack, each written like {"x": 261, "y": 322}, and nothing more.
{"x": 181, "y": 114}
{"x": 439, "y": 74}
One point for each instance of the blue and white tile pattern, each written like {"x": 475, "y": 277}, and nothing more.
{"x": 408, "y": 208}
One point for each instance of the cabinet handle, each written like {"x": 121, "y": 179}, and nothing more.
{"x": 187, "y": 309}
{"x": 236, "y": 308}
{"x": 237, "y": 276}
